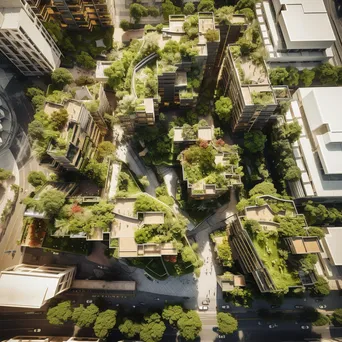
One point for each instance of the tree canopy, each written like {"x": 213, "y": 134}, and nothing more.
{"x": 85, "y": 60}
{"x": 245, "y": 4}
{"x": 105, "y": 149}
{"x": 337, "y": 316}
{"x": 264, "y": 188}
{"x": 223, "y": 108}
{"x": 105, "y": 321}
{"x": 60, "y": 313}
{"x": 227, "y": 324}
{"x": 36, "y": 178}
{"x": 129, "y": 328}
{"x": 321, "y": 287}
{"x": 206, "y": 6}
{"x": 153, "y": 328}
{"x": 254, "y": 141}
{"x": 189, "y": 325}
{"x": 189, "y": 8}
{"x": 84, "y": 317}
{"x": 172, "y": 313}
{"x": 61, "y": 77}
{"x": 168, "y": 8}
{"x": 96, "y": 171}
{"x": 5, "y": 174}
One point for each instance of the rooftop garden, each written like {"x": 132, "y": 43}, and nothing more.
{"x": 199, "y": 163}
{"x": 262, "y": 98}
{"x": 223, "y": 250}
{"x": 146, "y": 84}
{"x": 127, "y": 185}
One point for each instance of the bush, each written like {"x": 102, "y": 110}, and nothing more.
{"x": 321, "y": 287}
{"x": 61, "y": 77}
{"x": 85, "y": 60}
{"x": 84, "y": 80}
{"x": 36, "y": 178}
{"x": 125, "y": 25}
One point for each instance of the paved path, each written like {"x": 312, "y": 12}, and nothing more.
{"x": 126, "y": 154}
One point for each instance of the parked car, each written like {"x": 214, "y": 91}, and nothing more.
{"x": 89, "y": 301}
{"x": 299, "y": 306}
{"x": 304, "y": 327}
{"x": 203, "y": 308}
{"x": 206, "y": 302}
{"x": 37, "y": 330}
{"x": 272, "y": 326}
{"x": 323, "y": 306}
{"x": 225, "y": 307}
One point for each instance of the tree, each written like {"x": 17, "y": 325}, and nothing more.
{"x": 153, "y": 11}
{"x": 321, "y": 287}
{"x": 38, "y": 102}
{"x": 59, "y": 314}
{"x": 115, "y": 73}
{"x": 337, "y": 316}
{"x": 5, "y": 174}
{"x": 188, "y": 255}
{"x": 105, "y": 149}
{"x": 61, "y": 77}
{"x": 125, "y": 24}
{"x": 293, "y": 173}
{"x": 292, "y": 131}
{"x": 189, "y": 8}
{"x": 84, "y": 317}
{"x": 55, "y": 31}
{"x": 129, "y": 328}
{"x": 212, "y": 35}
{"x": 105, "y": 321}
{"x": 96, "y": 171}
{"x": 152, "y": 330}
{"x": 172, "y": 313}
{"x": 85, "y": 60}
{"x": 248, "y": 13}
{"x": 316, "y": 231}
{"x": 59, "y": 119}
{"x": 36, "y": 178}
{"x": 308, "y": 263}
{"x": 224, "y": 253}
{"x": 168, "y": 8}
{"x": 225, "y": 14}
{"x": 84, "y": 80}
{"x": 223, "y": 108}
{"x": 189, "y": 325}
{"x": 264, "y": 188}
{"x": 144, "y": 181}
{"x": 137, "y": 11}
{"x": 51, "y": 201}
{"x": 292, "y": 78}
{"x": 245, "y": 4}
{"x": 254, "y": 141}
{"x": 227, "y": 324}
{"x": 278, "y": 76}
{"x": 36, "y": 130}
{"x": 307, "y": 76}
{"x": 327, "y": 74}
{"x": 206, "y": 6}
{"x": 32, "y": 92}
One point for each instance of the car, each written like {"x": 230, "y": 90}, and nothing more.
{"x": 304, "y": 327}
{"x": 221, "y": 336}
{"x": 299, "y": 306}
{"x": 275, "y": 306}
{"x": 322, "y": 306}
{"x": 225, "y": 307}
{"x": 89, "y": 301}
{"x": 37, "y": 330}
{"x": 272, "y": 326}
{"x": 206, "y": 302}
{"x": 203, "y": 308}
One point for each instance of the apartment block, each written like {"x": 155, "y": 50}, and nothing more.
{"x": 24, "y": 40}
{"x": 75, "y": 14}
{"x": 248, "y": 86}
{"x": 317, "y": 151}
{"x": 32, "y": 286}
{"x": 79, "y": 139}
{"x": 295, "y": 32}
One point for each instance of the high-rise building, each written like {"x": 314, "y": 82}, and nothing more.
{"x": 31, "y": 286}
{"x": 24, "y": 40}
{"x": 75, "y": 14}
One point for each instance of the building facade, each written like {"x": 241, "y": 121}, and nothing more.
{"x": 295, "y": 32}
{"x": 32, "y": 286}
{"x": 317, "y": 151}
{"x": 81, "y": 136}
{"x": 75, "y": 14}
{"x": 24, "y": 40}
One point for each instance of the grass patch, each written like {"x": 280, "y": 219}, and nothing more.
{"x": 66, "y": 244}
{"x": 276, "y": 266}
{"x": 127, "y": 186}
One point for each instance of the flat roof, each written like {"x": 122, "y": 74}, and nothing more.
{"x": 333, "y": 240}
{"x": 10, "y": 18}
{"x": 322, "y": 111}
{"x": 153, "y": 218}
{"x": 24, "y": 290}
{"x": 306, "y": 244}
{"x": 301, "y": 18}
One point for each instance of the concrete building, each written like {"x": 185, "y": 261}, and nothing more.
{"x": 295, "y": 32}
{"x": 255, "y": 101}
{"x": 32, "y": 286}
{"x": 205, "y": 133}
{"x": 24, "y": 40}
{"x": 318, "y": 150}
{"x": 75, "y": 14}
{"x": 80, "y": 136}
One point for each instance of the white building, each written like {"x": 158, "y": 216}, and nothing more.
{"x": 318, "y": 152}
{"x": 31, "y": 286}
{"x": 295, "y": 31}
{"x": 24, "y": 40}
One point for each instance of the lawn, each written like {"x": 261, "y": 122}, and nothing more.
{"x": 276, "y": 265}
{"x": 127, "y": 183}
